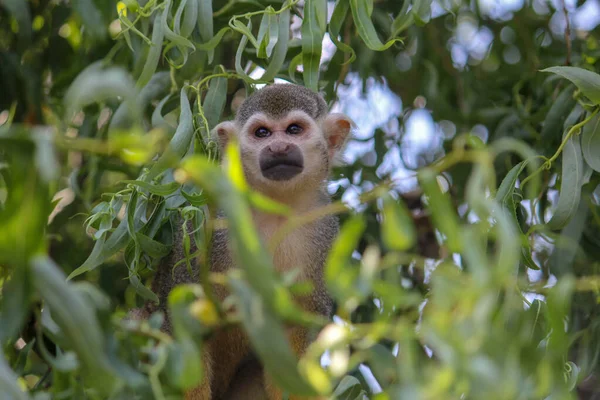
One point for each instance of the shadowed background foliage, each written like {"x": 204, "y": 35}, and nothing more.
{"x": 467, "y": 264}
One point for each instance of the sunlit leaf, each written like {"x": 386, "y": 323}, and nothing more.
{"x": 587, "y": 81}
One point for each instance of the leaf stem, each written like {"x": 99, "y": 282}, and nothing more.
{"x": 548, "y": 163}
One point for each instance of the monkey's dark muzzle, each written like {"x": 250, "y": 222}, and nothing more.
{"x": 281, "y": 166}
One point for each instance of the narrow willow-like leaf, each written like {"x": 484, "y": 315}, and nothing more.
{"x": 506, "y": 197}
{"x": 189, "y": 9}
{"x": 442, "y": 212}
{"x": 157, "y": 120}
{"x": 142, "y": 290}
{"x": 335, "y": 25}
{"x": 422, "y": 11}
{"x": 567, "y": 244}
{"x": 105, "y": 248}
{"x": 590, "y": 143}
{"x": 152, "y": 247}
{"x": 185, "y": 360}
{"x": 158, "y": 34}
{"x": 312, "y": 42}
{"x": 176, "y": 39}
{"x": 341, "y": 254}
{"x": 267, "y": 204}
{"x": 349, "y": 389}
{"x": 364, "y": 25}
{"x": 397, "y": 229}
{"x": 238, "y": 56}
{"x": 245, "y": 30}
{"x": 570, "y": 184}
{"x": 281, "y": 48}
{"x": 268, "y": 339}
{"x": 214, "y": 102}
{"x": 296, "y": 61}
{"x": 214, "y": 41}
{"x": 268, "y": 32}
{"x": 403, "y": 20}
{"x": 96, "y": 84}
{"x": 8, "y": 382}
{"x": 180, "y": 142}
{"x": 161, "y": 190}
{"x": 587, "y": 81}
{"x": 19, "y": 10}
{"x": 76, "y": 320}
{"x": 557, "y": 114}
{"x": 14, "y": 313}
{"x": 205, "y": 26}
{"x": 91, "y": 17}
{"x": 158, "y": 86}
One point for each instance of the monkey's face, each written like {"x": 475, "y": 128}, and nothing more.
{"x": 281, "y": 154}
{"x": 287, "y": 155}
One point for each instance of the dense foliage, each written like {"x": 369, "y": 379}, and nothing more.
{"x": 467, "y": 262}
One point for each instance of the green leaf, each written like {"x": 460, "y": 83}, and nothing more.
{"x": 557, "y": 114}
{"x": 443, "y": 213}
{"x": 76, "y": 320}
{"x": 572, "y": 176}
{"x": 91, "y": 17}
{"x": 268, "y": 339}
{"x": 587, "y": 81}
{"x": 590, "y": 143}
{"x": 189, "y": 9}
{"x": 152, "y": 247}
{"x": 337, "y": 276}
{"x": 365, "y": 27}
{"x": 349, "y": 389}
{"x": 105, "y": 248}
{"x": 96, "y": 84}
{"x": 268, "y": 32}
{"x": 142, "y": 290}
{"x": 214, "y": 102}
{"x": 13, "y": 313}
{"x": 206, "y": 29}
{"x": 8, "y": 382}
{"x": 158, "y": 34}
{"x": 214, "y": 41}
{"x": 157, "y": 87}
{"x": 403, "y": 20}
{"x": 506, "y": 197}
{"x": 397, "y": 228}
{"x": 312, "y": 42}
{"x": 335, "y": 25}
{"x": 180, "y": 142}
{"x": 421, "y": 11}
{"x": 567, "y": 244}
{"x": 160, "y": 190}
{"x": 19, "y": 10}
{"x": 281, "y": 48}
{"x": 245, "y": 30}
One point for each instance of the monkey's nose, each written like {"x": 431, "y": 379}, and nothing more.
{"x": 279, "y": 148}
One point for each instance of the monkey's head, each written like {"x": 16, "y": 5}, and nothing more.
{"x": 287, "y": 137}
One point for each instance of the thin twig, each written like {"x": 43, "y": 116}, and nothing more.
{"x": 567, "y": 33}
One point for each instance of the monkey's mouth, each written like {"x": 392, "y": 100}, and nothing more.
{"x": 281, "y": 169}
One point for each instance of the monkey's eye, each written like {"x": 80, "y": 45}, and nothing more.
{"x": 262, "y": 132}
{"x": 294, "y": 129}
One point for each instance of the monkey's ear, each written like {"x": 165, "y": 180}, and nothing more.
{"x": 336, "y": 128}
{"x": 223, "y": 132}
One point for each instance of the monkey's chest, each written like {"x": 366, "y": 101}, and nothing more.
{"x": 293, "y": 252}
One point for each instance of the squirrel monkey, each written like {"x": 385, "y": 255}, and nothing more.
{"x": 288, "y": 141}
